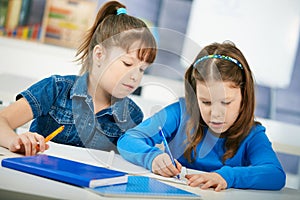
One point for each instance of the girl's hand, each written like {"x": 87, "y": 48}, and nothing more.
{"x": 28, "y": 144}
{"x": 162, "y": 165}
{"x": 207, "y": 180}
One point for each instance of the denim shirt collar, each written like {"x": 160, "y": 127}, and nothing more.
{"x": 80, "y": 87}
{"x": 119, "y": 109}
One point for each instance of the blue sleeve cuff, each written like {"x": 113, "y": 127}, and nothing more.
{"x": 228, "y": 174}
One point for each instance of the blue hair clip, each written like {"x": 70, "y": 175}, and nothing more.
{"x": 235, "y": 61}
{"x": 121, "y": 11}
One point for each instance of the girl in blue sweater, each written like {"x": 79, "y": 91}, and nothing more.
{"x": 212, "y": 129}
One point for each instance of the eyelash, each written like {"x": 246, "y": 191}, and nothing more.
{"x": 209, "y": 103}
{"x": 226, "y": 103}
{"x": 127, "y": 64}
{"x": 206, "y": 102}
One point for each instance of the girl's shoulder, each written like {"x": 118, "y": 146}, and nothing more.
{"x": 258, "y": 128}
{"x": 181, "y": 104}
{"x": 177, "y": 106}
{"x": 65, "y": 78}
{"x": 56, "y": 79}
{"x": 257, "y": 131}
{"x": 177, "y": 109}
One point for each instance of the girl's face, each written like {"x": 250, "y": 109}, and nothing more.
{"x": 120, "y": 72}
{"x": 219, "y": 104}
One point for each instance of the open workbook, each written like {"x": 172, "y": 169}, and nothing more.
{"x": 180, "y": 180}
{"x": 144, "y": 187}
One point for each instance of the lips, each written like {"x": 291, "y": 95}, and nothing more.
{"x": 128, "y": 86}
{"x": 217, "y": 125}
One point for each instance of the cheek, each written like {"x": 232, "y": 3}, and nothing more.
{"x": 114, "y": 74}
{"x": 139, "y": 77}
{"x": 204, "y": 111}
{"x": 108, "y": 81}
{"x": 232, "y": 112}
{"x": 120, "y": 74}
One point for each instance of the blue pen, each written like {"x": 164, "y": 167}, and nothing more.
{"x": 167, "y": 149}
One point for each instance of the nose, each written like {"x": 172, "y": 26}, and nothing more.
{"x": 135, "y": 75}
{"x": 133, "y": 78}
{"x": 217, "y": 111}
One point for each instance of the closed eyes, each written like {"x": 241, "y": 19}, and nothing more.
{"x": 209, "y": 103}
{"x": 127, "y": 64}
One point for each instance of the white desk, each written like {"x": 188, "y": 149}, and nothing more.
{"x": 21, "y": 182}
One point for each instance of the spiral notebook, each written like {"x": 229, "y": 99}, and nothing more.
{"x": 144, "y": 187}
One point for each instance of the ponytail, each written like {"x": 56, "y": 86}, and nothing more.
{"x": 108, "y": 24}
{"x": 109, "y": 8}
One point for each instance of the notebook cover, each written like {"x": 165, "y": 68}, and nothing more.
{"x": 144, "y": 187}
{"x": 67, "y": 171}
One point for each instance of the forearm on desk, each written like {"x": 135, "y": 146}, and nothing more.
{"x": 13, "y": 116}
{"x": 7, "y": 134}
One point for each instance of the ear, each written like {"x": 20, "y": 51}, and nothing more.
{"x": 98, "y": 54}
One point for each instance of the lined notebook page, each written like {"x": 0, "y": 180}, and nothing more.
{"x": 94, "y": 157}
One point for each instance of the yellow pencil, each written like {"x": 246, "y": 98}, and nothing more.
{"x": 54, "y": 133}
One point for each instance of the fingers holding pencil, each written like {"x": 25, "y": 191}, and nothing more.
{"x": 28, "y": 144}
{"x": 42, "y": 145}
{"x": 31, "y": 143}
{"x": 54, "y": 133}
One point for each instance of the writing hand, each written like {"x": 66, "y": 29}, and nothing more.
{"x": 163, "y": 166}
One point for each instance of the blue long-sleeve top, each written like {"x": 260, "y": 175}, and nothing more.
{"x": 254, "y": 166}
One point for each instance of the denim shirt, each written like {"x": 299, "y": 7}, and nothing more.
{"x": 64, "y": 100}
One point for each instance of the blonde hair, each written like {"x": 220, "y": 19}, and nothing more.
{"x": 220, "y": 70}
{"x": 111, "y": 29}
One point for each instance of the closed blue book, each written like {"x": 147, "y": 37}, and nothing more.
{"x": 67, "y": 171}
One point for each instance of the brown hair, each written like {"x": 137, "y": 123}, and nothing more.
{"x": 122, "y": 30}
{"x": 220, "y": 70}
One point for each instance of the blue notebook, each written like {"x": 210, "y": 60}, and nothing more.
{"x": 67, "y": 171}
{"x": 144, "y": 187}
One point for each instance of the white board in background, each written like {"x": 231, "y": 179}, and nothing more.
{"x": 266, "y": 31}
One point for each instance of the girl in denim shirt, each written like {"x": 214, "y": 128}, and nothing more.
{"x": 93, "y": 107}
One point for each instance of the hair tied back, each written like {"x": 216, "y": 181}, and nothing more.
{"x": 121, "y": 11}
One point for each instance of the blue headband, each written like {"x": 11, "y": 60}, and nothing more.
{"x": 235, "y": 61}
{"x": 121, "y": 11}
